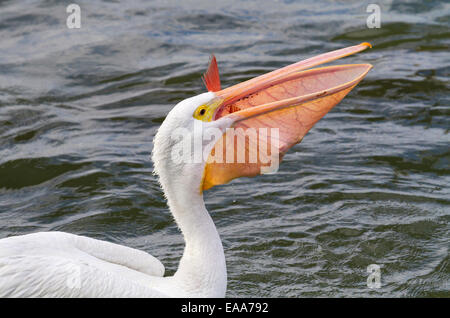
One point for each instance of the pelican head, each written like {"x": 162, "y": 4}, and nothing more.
{"x": 245, "y": 130}
{"x": 173, "y": 163}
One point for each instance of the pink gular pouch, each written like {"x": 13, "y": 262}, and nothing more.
{"x": 274, "y": 111}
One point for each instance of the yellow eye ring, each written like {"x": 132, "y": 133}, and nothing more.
{"x": 206, "y": 111}
{"x": 200, "y": 112}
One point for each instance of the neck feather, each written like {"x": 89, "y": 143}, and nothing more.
{"x": 202, "y": 269}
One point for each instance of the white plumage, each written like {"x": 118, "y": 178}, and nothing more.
{"x": 56, "y": 264}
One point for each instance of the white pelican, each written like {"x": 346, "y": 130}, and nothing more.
{"x": 291, "y": 99}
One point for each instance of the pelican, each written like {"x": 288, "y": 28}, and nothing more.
{"x": 284, "y": 104}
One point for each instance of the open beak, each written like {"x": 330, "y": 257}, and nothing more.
{"x": 272, "y": 112}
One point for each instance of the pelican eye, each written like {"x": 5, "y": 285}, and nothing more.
{"x": 200, "y": 112}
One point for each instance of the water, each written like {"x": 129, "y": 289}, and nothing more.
{"x": 368, "y": 185}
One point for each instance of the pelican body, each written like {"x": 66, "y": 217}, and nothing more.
{"x": 221, "y": 124}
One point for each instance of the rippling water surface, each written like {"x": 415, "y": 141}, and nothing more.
{"x": 368, "y": 185}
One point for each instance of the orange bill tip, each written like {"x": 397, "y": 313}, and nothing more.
{"x": 367, "y": 44}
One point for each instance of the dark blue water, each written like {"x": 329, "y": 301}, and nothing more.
{"x": 368, "y": 185}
